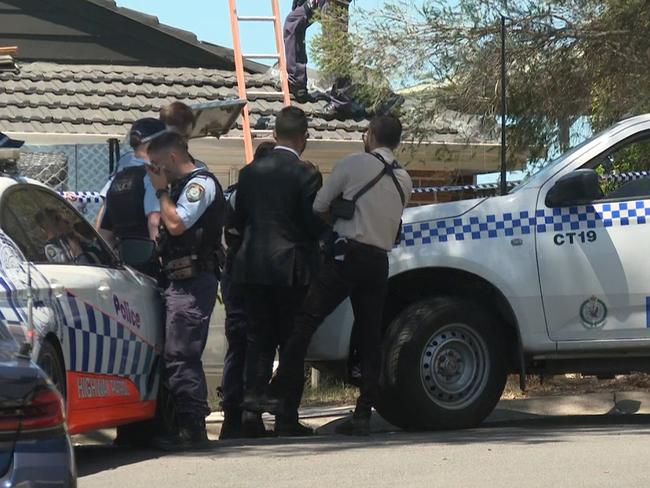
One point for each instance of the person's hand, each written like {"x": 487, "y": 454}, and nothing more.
{"x": 158, "y": 177}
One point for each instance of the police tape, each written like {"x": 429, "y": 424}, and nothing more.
{"x": 446, "y": 189}
{"x": 96, "y": 197}
{"x": 82, "y": 196}
{"x": 611, "y": 178}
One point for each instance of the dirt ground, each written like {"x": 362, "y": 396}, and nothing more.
{"x": 574, "y": 384}
{"x": 332, "y": 393}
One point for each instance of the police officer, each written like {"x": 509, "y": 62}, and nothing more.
{"x": 236, "y": 328}
{"x": 377, "y": 189}
{"x": 295, "y": 31}
{"x": 192, "y": 216}
{"x": 131, "y": 208}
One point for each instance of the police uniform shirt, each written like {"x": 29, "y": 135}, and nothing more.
{"x": 197, "y": 195}
{"x": 378, "y": 211}
{"x": 130, "y": 160}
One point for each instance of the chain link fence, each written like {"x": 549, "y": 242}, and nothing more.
{"x": 69, "y": 167}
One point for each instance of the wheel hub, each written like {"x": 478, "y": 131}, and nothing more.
{"x": 454, "y": 366}
{"x": 449, "y": 364}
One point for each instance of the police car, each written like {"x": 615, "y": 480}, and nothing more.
{"x": 95, "y": 325}
{"x": 553, "y": 277}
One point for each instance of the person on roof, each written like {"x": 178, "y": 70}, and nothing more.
{"x": 132, "y": 209}
{"x": 295, "y": 30}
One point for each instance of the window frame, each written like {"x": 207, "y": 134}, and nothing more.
{"x": 115, "y": 262}
{"x": 591, "y": 164}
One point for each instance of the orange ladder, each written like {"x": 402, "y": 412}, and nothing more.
{"x": 279, "y": 56}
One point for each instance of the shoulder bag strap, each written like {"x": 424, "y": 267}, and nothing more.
{"x": 369, "y": 185}
{"x": 388, "y": 168}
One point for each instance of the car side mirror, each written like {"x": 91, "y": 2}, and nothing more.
{"x": 136, "y": 252}
{"x": 576, "y": 188}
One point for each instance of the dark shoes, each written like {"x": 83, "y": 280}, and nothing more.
{"x": 191, "y": 436}
{"x": 359, "y": 426}
{"x": 292, "y": 429}
{"x": 301, "y": 95}
{"x": 263, "y": 403}
{"x": 232, "y": 425}
{"x": 331, "y": 111}
{"x": 252, "y": 426}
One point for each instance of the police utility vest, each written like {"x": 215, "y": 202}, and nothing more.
{"x": 126, "y": 199}
{"x": 199, "y": 247}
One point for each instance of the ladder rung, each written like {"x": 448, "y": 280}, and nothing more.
{"x": 256, "y": 18}
{"x": 262, "y": 131}
{"x": 261, "y": 56}
{"x": 264, "y": 94}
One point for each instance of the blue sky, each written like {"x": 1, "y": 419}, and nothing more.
{"x": 210, "y": 19}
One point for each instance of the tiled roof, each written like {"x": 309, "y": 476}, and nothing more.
{"x": 104, "y": 99}
{"x": 94, "y": 99}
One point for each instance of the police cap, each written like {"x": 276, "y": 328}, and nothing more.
{"x": 147, "y": 129}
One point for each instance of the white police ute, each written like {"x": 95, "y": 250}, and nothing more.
{"x": 553, "y": 277}
{"x": 92, "y": 323}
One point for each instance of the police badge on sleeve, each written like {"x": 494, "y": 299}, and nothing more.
{"x": 194, "y": 192}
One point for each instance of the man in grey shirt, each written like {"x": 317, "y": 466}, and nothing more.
{"x": 357, "y": 268}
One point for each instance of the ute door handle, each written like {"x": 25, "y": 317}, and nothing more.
{"x": 58, "y": 290}
{"x": 104, "y": 290}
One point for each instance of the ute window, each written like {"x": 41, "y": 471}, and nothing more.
{"x": 48, "y": 230}
{"x": 617, "y": 170}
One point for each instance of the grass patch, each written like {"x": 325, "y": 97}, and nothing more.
{"x": 330, "y": 392}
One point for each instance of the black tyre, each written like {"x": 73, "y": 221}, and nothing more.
{"x": 51, "y": 362}
{"x": 445, "y": 365}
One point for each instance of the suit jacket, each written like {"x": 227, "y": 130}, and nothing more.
{"x": 273, "y": 213}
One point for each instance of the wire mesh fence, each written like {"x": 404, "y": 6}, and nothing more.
{"x": 50, "y": 168}
{"x": 69, "y": 167}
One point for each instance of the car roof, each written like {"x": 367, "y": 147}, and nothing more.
{"x": 10, "y": 181}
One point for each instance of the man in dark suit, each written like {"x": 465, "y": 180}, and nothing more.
{"x": 278, "y": 255}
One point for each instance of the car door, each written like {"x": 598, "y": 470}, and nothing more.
{"x": 113, "y": 331}
{"x": 593, "y": 260}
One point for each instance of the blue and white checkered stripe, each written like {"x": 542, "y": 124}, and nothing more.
{"x": 82, "y": 196}
{"x": 98, "y": 343}
{"x": 525, "y": 222}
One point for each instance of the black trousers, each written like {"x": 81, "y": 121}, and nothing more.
{"x": 236, "y": 328}
{"x": 295, "y": 30}
{"x": 271, "y": 313}
{"x": 363, "y": 276}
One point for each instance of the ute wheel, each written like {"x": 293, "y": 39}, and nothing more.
{"x": 50, "y": 361}
{"x": 445, "y": 365}
{"x": 140, "y": 434}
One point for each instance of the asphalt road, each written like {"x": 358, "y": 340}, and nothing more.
{"x": 589, "y": 451}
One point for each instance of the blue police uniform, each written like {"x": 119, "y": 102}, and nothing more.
{"x": 191, "y": 264}
{"x": 130, "y": 198}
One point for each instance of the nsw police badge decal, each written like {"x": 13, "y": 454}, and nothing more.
{"x": 194, "y": 192}
{"x": 593, "y": 313}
